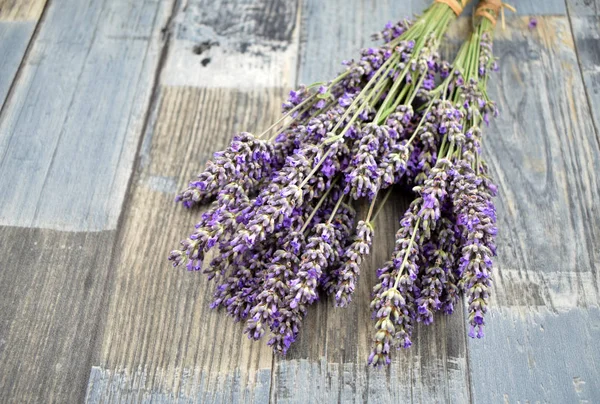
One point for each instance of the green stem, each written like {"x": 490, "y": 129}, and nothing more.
{"x": 405, "y": 260}
{"x": 290, "y": 112}
{"x": 381, "y": 205}
{"x": 335, "y": 209}
{"x": 316, "y": 208}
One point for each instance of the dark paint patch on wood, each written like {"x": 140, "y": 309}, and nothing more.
{"x": 51, "y": 293}
{"x": 203, "y": 46}
{"x": 257, "y": 46}
{"x": 586, "y": 30}
{"x": 266, "y": 20}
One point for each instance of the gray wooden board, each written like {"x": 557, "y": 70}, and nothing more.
{"x": 537, "y": 355}
{"x": 585, "y": 23}
{"x": 69, "y": 134}
{"x": 14, "y": 38}
{"x": 530, "y": 7}
{"x": 541, "y": 339}
{"x": 160, "y": 340}
{"x": 581, "y": 8}
{"x": 51, "y": 291}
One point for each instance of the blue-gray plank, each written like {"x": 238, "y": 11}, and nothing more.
{"x": 585, "y": 23}
{"x": 69, "y": 134}
{"x": 14, "y": 38}
{"x": 541, "y": 339}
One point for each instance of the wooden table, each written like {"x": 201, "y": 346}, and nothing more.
{"x": 110, "y": 106}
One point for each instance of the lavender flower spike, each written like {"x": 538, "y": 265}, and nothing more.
{"x": 476, "y": 217}
{"x": 393, "y": 301}
{"x": 246, "y": 160}
{"x": 350, "y": 267}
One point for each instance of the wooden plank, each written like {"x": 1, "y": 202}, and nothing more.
{"x": 52, "y": 283}
{"x": 540, "y": 344}
{"x": 161, "y": 340}
{"x": 21, "y": 10}
{"x": 14, "y": 38}
{"x": 51, "y": 292}
{"x": 531, "y": 7}
{"x": 583, "y": 8}
{"x": 234, "y": 44}
{"x": 18, "y": 20}
{"x": 585, "y": 23}
{"x": 69, "y": 134}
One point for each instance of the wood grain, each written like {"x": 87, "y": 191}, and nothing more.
{"x": 14, "y": 39}
{"x": 18, "y": 20}
{"x": 69, "y": 135}
{"x": 544, "y": 154}
{"x": 234, "y": 44}
{"x": 585, "y": 23}
{"x": 51, "y": 290}
{"x": 161, "y": 338}
{"x": 21, "y": 10}
{"x": 583, "y": 8}
{"x": 61, "y": 140}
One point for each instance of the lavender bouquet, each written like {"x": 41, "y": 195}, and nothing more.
{"x": 282, "y": 218}
{"x": 446, "y": 241}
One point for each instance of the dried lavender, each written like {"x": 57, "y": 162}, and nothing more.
{"x": 281, "y": 222}
{"x": 446, "y": 242}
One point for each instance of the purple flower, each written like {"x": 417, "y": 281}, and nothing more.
{"x": 345, "y": 100}
{"x": 532, "y": 22}
{"x": 393, "y": 301}
{"x": 350, "y": 266}
{"x": 472, "y": 201}
{"x": 246, "y": 161}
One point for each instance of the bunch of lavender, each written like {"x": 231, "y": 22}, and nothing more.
{"x": 282, "y": 217}
{"x": 446, "y": 241}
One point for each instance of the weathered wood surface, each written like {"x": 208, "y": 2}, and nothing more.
{"x": 234, "y": 44}
{"x": 68, "y": 136}
{"x": 17, "y": 25}
{"x": 160, "y": 338}
{"x": 51, "y": 291}
{"x": 90, "y": 308}
{"x": 540, "y": 344}
{"x": 21, "y": 10}
{"x": 161, "y": 341}
{"x": 585, "y": 22}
